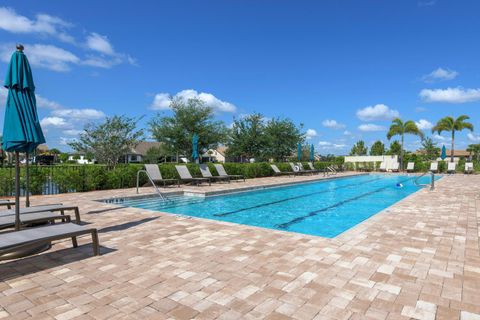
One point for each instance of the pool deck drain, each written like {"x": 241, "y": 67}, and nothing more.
{"x": 418, "y": 259}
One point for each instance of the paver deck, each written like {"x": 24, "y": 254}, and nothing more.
{"x": 418, "y": 259}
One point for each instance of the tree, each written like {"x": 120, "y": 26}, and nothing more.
{"x": 359, "y": 149}
{"x": 452, "y": 125}
{"x": 400, "y": 128}
{"x": 110, "y": 140}
{"x": 247, "y": 137}
{"x": 281, "y": 139}
{"x": 475, "y": 149}
{"x": 189, "y": 117}
{"x": 430, "y": 149}
{"x": 63, "y": 157}
{"x": 395, "y": 148}
{"x": 377, "y": 148}
{"x": 154, "y": 154}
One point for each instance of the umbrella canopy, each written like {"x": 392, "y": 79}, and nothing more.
{"x": 21, "y": 129}
{"x": 195, "y": 146}
{"x": 299, "y": 152}
{"x": 444, "y": 153}
{"x": 312, "y": 152}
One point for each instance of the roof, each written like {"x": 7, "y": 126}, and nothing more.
{"x": 222, "y": 150}
{"x": 459, "y": 153}
{"x": 143, "y": 146}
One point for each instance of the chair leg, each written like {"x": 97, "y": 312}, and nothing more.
{"x": 95, "y": 243}
{"x": 74, "y": 242}
{"x": 77, "y": 215}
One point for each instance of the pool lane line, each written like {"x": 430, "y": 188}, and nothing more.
{"x": 316, "y": 212}
{"x": 291, "y": 198}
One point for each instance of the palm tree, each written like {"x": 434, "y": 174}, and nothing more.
{"x": 400, "y": 128}
{"x": 452, "y": 125}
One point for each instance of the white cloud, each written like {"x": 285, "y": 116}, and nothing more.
{"x": 370, "y": 127}
{"x": 439, "y": 137}
{"x": 440, "y": 74}
{"x": 473, "y": 137}
{"x": 331, "y": 145}
{"x": 65, "y": 141}
{"x": 3, "y": 96}
{"x": 43, "y": 24}
{"x": 45, "y": 103}
{"x": 333, "y": 124}
{"x": 311, "y": 133}
{"x": 97, "y": 42}
{"x": 450, "y": 95}
{"x": 427, "y": 3}
{"x": 72, "y": 132}
{"x": 420, "y": 109}
{"x": 347, "y": 133}
{"x": 324, "y": 143}
{"x": 377, "y": 112}
{"x": 423, "y": 124}
{"x": 162, "y": 101}
{"x": 79, "y": 114}
{"x": 53, "y": 122}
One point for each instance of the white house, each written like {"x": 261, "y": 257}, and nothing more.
{"x": 137, "y": 154}
{"x": 80, "y": 158}
{"x": 215, "y": 155}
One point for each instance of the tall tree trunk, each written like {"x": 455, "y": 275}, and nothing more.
{"x": 451, "y": 151}
{"x": 401, "y": 154}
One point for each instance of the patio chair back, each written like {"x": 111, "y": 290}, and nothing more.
{"x": 452, "y": 166}
{"x": 300, "y": 165}
{"x": 383, "y": 166}
{"x": 220, "y": 170}
{"x": 395, "y": 166}
{"x": 311, "y": 166}
{"x": 468, "y": 166}
{"x": 294, "y": 167}
{"x": 434, "y": 166}
{"x": 153, "y": 172}
{"x": 205, "y": 171}
{"x": 410, "y": 166}
{"x": 275, "y": 168}
{"x": 183, "y": 172}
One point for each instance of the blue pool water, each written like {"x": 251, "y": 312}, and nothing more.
{"x": 324, "y": 208}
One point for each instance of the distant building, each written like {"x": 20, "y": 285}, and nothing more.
{"x": 80, "y": 158}
{"x": 215, "y": 155}
{"x": 457, "y": 154}
{"x": 137, "y": 154}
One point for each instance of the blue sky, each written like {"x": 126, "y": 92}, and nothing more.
{"x": 342, "y": 68}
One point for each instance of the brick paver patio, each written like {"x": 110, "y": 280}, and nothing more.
{"x": 418, "y": 259}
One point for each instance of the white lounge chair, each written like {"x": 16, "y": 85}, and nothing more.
{"x": 434, "y": 167}
{"x": 468, "y": 167}
{"x": 451, "y": 167}
{"x": 383, "y": 167}
{"x": 277, "y": 171}
{"x": 395, "y": 167}
{"x": 410, "y": 166}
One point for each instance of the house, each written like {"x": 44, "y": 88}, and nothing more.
{"x": 215, "y": 155}
{"x": 137, "y": 154}
{"x": 457, "y": 154}
{"x": 80, "y": 158}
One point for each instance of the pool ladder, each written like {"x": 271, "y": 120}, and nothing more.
{"x": 432, "y": 183}
{"x": 330, "y": 169}
{"x": 164, "y": 198}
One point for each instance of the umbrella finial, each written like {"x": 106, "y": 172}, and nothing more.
{"x": 20, "y": 47}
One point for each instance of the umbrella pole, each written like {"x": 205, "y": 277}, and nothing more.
{"x": 17, "y": 191}
{"x": 27, "y": 183}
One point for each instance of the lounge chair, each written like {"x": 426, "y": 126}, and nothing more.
{"x": 312, "y": 167}
{"x": 434, "y": 167}
{"x": 277, "y": 171}
{"x": 383, "y": 167}
{"x": 153, "y": 171}
{"x": 222, "y": 173}
{"x": 312, "y": 171}
{"x": 468, "y": 167}
{"x": 50, "y": 207}
{"x": 17, "y": 240}
{"x": 30, "y": 218}
{"x": 451, "y": 167}
{"x": 205, "y": 171}
{"x": 7, "y": 203}
{"x": 410, "y": 166}
{"x": 395, "y": 167}
{"x": 297, "y": 169}
{"x": 185, "y": 176}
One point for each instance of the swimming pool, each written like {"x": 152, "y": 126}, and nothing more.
{"x": 323, "y": 208}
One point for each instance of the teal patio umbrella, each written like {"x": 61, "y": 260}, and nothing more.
{"x": 299, "y": 152}
{"x": 444, "y": 153}
{"x": 195, "y": 147}
{"x": 312, "y": 152}
{"x": 21, "y": 129}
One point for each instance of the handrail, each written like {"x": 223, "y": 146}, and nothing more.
{"x": 151, "y": 181}
{"x": 332, "y": 169}
{"x": 432, "y": 183}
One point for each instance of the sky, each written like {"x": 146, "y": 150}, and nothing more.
{"x": 343, "y": 69}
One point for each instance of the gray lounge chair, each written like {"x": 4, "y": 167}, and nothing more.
{"x": 277, "y": 171}
{"x": 205, "y": 171}
{"x": 155, "y": 175}
{"x": 50, "y": 207}
{"x": 299, "y": 171}
{"x": 185, "y": 176}
{"x": 30, "y": 218}
{"x": 222, "y": 173}
{"x": 17, "y": 240}
{"x": 312, "y": 167}
{"x": 302, "y": 168}
{"x": 7, "y": 203}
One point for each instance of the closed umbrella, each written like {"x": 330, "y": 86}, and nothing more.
{"x": 21, "y": 129}
{"x": 299, "y": 152}
{"x": 312, "y": 152}
{"x": 444, "y": 153}
{"x": 195, "y": 147}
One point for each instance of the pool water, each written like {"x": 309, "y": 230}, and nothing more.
{"x": 324, "y": 208}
